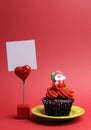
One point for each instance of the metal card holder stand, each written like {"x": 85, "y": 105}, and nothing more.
{"x": 23, "y": 110}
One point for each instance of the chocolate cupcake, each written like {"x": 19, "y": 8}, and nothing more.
{"x": 59, "y": 98}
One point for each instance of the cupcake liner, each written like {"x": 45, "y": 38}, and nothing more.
{"x": 57, "y": 107}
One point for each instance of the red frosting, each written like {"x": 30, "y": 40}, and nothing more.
{"x": 59, "y": 90}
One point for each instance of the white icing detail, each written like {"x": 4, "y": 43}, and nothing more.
{"x": 59, "y": 77}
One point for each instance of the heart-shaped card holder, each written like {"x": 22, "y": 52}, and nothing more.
{"x": 23, "y": 110}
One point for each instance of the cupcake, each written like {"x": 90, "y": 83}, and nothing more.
{"x": 59, "y": 98}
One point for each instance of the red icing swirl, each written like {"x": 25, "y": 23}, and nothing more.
{"x": 59, "y": 90}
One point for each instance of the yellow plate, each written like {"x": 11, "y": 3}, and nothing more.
{"x": 76, "y": 111}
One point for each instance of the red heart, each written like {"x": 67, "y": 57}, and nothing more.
{"x": 22, "y": 71}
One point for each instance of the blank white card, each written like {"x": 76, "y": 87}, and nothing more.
{"x": 20, "y": 53}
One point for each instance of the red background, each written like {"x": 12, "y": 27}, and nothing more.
{"x": 62, "y": 31}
